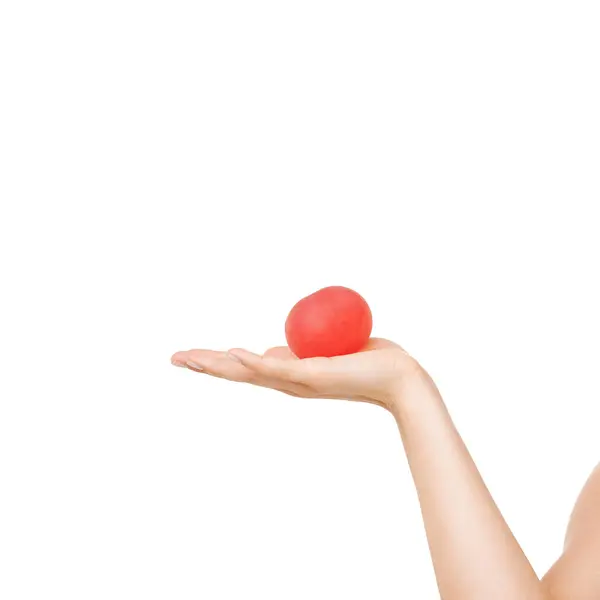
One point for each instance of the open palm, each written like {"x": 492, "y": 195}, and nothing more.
{"x": 372, "y": 375}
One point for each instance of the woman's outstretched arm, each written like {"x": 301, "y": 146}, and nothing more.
{"x": 474, "y": 553}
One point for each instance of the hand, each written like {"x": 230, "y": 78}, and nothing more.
{"x": 378, "y": 374}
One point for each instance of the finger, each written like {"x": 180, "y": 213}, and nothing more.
{"x": 178, "y": 359}
{"x": 269, "y": 367}
{"x": 214, "y": 363}
{"x": 218, "y": 364}
{"x": 202, "y": 357}
{"x": 281, "y": 352}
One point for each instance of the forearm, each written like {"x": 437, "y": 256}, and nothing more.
{"x": 474, "y": 553}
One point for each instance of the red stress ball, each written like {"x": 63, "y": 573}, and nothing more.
{"x": 333, "y": 321}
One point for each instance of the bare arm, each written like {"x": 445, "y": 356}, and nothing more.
{"x": 474, "y": 553}
{"x": 576, "y": 574}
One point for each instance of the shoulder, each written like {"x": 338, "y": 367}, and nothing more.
{"x": 585, "y": 518}
{"x": 576, "y": 573}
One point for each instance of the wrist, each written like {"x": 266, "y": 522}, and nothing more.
{"x": 411, "y": 389}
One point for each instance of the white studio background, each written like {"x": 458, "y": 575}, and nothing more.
{"x": 178, "y": 174}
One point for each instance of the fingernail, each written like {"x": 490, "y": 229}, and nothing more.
{"x": 195, "y": 366}
{"x": 233, "y": 357}
{"x": 176, "y": 363}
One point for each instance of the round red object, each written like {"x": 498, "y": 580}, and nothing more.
{"x": 333, "y": 321}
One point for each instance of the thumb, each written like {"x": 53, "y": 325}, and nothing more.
{"x": 282, "y": 352}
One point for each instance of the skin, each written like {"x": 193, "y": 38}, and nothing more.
{"x": 474, "y": 553}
